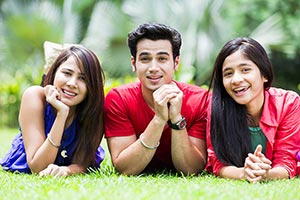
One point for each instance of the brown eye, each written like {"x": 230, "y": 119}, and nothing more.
{"x": 66, "y": 73}
{"x": 227, "y": 74}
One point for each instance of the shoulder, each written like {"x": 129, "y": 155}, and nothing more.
{"x": 130, "y": 89}
{"x": 32, "y": 104}
{"x": 278, "y": 95}
{"x": 128, "y": 94}
{"x": 34, "y": 90}
{"x": 194, "y": 92}
{"x": 190, "y": 88}
{"x": 33, "y": 95}
{"x": 280, "y": 102}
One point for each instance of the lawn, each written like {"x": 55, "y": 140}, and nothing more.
{"x": 107, "y": 184}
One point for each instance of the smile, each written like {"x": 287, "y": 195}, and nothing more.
{"x": 69, "y": 93}
{"x": 154, "y": 77}
{"x": 240, "y": 90}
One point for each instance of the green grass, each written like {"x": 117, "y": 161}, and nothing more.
{"x": 107, "y": 184}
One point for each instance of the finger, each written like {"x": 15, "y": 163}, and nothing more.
{"x": 248, "y": 173}
{"x": 44, "y": 172}
{"x": 54, "y": 170}
{"x": 250, "y": 164}
{"x": 260, "y": 172}
{"x": 254, "y": 158}
{"x": 258, "y": 150}
{"x": 264, "y": 166}
{"x": 263, "y": 158}
{"x": 254, "y": 180}
{"x": 61, "y": 173}
{"x": 166, "y": 89}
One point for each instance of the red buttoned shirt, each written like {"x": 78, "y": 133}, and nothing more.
{"x": 280, "y": 124}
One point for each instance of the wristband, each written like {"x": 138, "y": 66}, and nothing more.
{"x": 147, "y": 146}
{"x": 51, "y": 142}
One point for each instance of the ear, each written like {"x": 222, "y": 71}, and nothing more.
{"x": 176, "y": 63}
{"x": 133, "y": 64}
{"x": 265, "y": 79}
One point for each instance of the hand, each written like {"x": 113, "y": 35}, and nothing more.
{"x": 175, "y": 105}
{"x": 256, "y": 166}
{"x": 162, "y": 97}
{"x": 56, "y": 171}
{"x": 258, "y": 153}
{"x": 53, "y": 97}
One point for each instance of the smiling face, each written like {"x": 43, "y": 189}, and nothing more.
{"x": 154, "y": 63}
{"x": 70, "y": 83}
{"x": 243, "y": 81}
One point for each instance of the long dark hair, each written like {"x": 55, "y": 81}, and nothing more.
{"x": 90, "y": 110}
{"x": 229, "y": 120}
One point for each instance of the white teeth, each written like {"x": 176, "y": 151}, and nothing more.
{"x": 68, "y": 93}
{"x": 239, "y": 89}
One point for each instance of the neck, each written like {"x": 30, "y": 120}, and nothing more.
{"x": 148, "y": 97}
{"x": 255, "y": 109}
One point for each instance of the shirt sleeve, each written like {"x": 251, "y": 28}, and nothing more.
{"x": 116, "y": 120}
{"x": 213, "y": 164}
{"x": 200, "y": 102}
{"x": 287, "y": 140}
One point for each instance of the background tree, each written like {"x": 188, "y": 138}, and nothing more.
{"x": 103, "y": 25}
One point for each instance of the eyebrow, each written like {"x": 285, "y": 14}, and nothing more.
{"x": 71, "y": 70}
{"x": 240, "y": 65}
{"x": 159, "y": 53}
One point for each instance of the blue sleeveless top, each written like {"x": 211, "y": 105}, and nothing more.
{"x": 15, "y": 159}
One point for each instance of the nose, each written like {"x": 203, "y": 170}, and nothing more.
{"x": 153, "y": 65}
{"x": 236, "y": 78}
{"x": 72, "y": 81}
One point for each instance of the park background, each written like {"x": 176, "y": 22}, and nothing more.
{"x": 102, "y": 26}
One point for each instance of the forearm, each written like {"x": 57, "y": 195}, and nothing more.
{"x": 47, "y": 152}
{"x": 187, "y": 158}
{"x": 232, "y": 172}
{"x": 134, "y": 159}
{"x": 276, "y": 173}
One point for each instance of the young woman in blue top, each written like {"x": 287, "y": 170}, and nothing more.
{"x": 61, "y": 122}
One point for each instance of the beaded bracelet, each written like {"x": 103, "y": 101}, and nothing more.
{"x": 51, "y": 142}
{"x": 147, "y": 146}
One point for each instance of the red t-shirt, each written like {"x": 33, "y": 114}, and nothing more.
{"x": 126, "y": 113}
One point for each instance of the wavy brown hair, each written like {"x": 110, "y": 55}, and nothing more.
{"x": 90, "y": 111}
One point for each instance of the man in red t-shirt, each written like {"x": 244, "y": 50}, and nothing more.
{"x": 156, "y": 124}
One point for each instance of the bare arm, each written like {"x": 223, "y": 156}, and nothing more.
{"x": 233, "y": 172}
{"x": 128, "y": 155}
{"x": 257, "y": 168}
{"x": 39, "y": 151}
{"x": 188, "y": 153}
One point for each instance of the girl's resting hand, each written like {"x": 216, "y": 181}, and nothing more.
{"x": 56, "y": 171}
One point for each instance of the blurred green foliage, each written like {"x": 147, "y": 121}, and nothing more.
{"x": 11, "y": 93}
{"x": 103, "y": 25}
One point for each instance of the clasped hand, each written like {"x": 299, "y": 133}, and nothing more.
{"x": 257, "y": 166}
{"x": 167, "y": 101}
